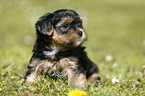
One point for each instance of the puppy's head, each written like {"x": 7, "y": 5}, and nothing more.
{"x": 64, "y": 27}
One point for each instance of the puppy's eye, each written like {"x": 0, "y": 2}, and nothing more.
{"x": 66, "y": 25}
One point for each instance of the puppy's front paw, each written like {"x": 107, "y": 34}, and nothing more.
{"x": 95, "y": 79}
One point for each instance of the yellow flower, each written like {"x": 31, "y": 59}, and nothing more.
{"x": 0, "y": 89}
{"x": 77, "y": 92}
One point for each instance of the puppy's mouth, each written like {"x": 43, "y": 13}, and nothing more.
{"x": 75, "y": 43}
{"x": 82, "y": 37}
{"x": 68, "y": 43}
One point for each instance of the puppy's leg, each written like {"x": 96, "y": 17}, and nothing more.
{"x": 31, "y": 76}
{"x": 91, "y": 69}
{"x": 37, "y": 68}
{"x": 76, "y": 77}
{"x": 95, "y": 79}
{"x": 71, "y": 71}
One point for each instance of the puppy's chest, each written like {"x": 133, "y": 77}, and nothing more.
{"x": 69, "y": 62}
{"x": 56, "y": 69}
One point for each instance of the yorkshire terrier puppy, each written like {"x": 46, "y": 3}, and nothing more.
{"x": 58, "y": 52}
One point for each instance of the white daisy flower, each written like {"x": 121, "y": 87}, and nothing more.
{"x": 115, "y": 80}
{"x": 108, "y": 58}
{"x": 114, "y": 65}
{"x": 143, "y": 66}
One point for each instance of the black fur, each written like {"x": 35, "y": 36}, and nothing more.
{"x": 44, "y": 42}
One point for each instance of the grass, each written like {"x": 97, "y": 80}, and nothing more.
{"x": 114, "y": 28}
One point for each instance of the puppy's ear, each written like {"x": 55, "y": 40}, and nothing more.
{"x": 44, "y": 24}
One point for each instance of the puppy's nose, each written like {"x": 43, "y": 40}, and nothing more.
{"x": 79, "y": 33}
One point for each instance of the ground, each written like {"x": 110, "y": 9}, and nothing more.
{"x": 116, "y": 42}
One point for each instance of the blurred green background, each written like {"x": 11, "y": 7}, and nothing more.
{"x": 114, "y": 27}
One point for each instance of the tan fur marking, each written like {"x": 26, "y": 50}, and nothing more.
{"x": 65, "y": 39}
{"x": 50, "y": 29}
{"x": 68, "y": 19}
{"x": 72, "y": 37}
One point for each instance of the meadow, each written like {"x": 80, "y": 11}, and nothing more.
{"x": 116, "y": 42}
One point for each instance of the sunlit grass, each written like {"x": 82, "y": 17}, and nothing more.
{"x": 115, "y": 28}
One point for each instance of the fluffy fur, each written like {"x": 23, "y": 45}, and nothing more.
{"x": 58, "y": 52}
